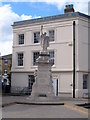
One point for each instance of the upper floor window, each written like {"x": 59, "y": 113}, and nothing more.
{"x": 35, "y": 56}
{"x": 36, "y": 37}
{"x": 21, "y": 39}
{"x": 85, "y": 81}
{"x": 51, "y": 35}
{"x": 5, "y": 61}
{"x": 20, "y": 59}
{"x": 51, "y": 53}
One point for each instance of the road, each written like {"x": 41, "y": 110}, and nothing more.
{"x": 41, "y": 111}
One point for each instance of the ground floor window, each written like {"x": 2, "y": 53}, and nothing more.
{"x": 31, "y": 80}
{"x": 85, "y": 81}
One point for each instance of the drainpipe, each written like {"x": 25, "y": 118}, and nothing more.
{"x": 73, "y": 59}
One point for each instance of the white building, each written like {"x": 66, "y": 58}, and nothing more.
{"x": 60, "y": 28}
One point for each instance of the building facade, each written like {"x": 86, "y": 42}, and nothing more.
{"x": 5, "y": 64}
{"x": 65, "y": 38}
{"x": 5, "y": 72}
{"x": 0, "y": 65}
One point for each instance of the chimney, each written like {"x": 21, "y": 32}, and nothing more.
{"x": 69, "y": 8}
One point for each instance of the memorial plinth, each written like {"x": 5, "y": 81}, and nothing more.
{"x": 42, "y": 88}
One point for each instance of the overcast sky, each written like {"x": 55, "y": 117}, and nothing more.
{"x": 17, "y": 10}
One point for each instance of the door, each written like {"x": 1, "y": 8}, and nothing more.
{"x": 31, "y": 80}
{"x": 55, "y": 86}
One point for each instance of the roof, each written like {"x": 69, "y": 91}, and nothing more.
{"x": 55, "y": 17}
{"x": 9, "y": 56}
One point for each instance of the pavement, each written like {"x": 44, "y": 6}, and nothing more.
{"x": 24, "y": 108}
{"x": 69, "y": 100}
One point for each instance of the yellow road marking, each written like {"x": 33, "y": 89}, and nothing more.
{"x": 76, "y": 108}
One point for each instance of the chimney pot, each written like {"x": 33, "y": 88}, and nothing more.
{"x": 69, "y": 8}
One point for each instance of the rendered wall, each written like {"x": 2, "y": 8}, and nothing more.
{"x": 19, "y": 82}
{"x": 63, "y": 48}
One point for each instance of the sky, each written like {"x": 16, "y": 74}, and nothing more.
{"x": 18, "y": 10}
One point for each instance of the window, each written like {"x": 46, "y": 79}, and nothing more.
{"x": 5, "y": 71}
{"x": 85, "y": 81}
{"x": 31, "y": 80}
{"x": 20, "y": 59}
{"x": 51, "y": 53}
{"x": 21, "y": 39}
{"x": 35, "y": 56}
{"x": 51, "y": 35}
{"x": 5, "y": 61}
{"x": 36, "y": 37}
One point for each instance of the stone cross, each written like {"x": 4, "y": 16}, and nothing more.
{"x": 44, "y": 40}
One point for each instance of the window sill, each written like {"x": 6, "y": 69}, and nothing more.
{"x": 34, "y": 66}
{"x": 21, "y": 44}
{"x": 53, "y": 66}
{"x": 20, "y": 67}
{"x": 51, "y": 42}
{"x": 36, "y": 43}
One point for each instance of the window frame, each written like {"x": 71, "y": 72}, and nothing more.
{"x": 85, "y": 81}
{"x": 52, "y": 58}
{"x": 34, "y": 61}
{"x": 37, "y": 38}
{"x": 5, "y": 61}
{"x": 53, "y": 35}
{"x": 18, "y": 60}
{"x": 31, "y": 80}
{"x": 21, "y": 40}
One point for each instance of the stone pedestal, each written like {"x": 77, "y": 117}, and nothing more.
{"x": 42, "y": 88}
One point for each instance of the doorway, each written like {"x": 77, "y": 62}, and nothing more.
{"x": 31, "y": 80}
{"x": 55, "y": 86}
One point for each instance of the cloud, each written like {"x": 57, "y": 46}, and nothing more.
{"x": 25, "y": 17}
{"x": 6, "y": 47}
{"x": 49, "y": 1}
{"x": 80, "y": 5}
{"x": 7, "y": 17}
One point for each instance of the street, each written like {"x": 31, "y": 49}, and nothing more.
{"x": 40, "y": 111}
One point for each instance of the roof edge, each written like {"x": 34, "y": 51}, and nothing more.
{"x": 48, "y": 18}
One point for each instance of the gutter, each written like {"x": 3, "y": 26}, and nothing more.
{"x": 73, "y": 59}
